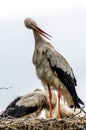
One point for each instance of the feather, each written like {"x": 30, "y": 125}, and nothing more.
{"x": 69, "y": 82}
{"x": 26, "y": 104}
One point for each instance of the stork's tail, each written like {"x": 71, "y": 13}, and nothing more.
{"x": 78, "y": 106}
{"x": 80, "y": 101}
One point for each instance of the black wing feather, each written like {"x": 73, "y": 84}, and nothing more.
{"x": 69, "y": 82}
{"x": 12, "y": 104}
{"x": 14, "y": 110}
{"x": 19, "y": 111}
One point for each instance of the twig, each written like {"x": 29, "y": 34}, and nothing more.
{"x": 5, "y": 87}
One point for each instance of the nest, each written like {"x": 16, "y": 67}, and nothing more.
{"x": 43, "y": 124}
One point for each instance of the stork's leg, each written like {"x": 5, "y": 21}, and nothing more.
{"x": 50, "y": 98}
{"x": 59, "y": 102}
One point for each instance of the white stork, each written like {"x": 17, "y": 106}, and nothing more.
{"x": 53, "y": 69}
{"x": 29, "y": 105}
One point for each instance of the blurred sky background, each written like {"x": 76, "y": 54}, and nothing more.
{"x": 65, "y": 20}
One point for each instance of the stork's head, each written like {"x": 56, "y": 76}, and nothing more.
{"x": 31, "y": 24}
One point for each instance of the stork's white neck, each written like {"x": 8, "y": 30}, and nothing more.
{"x": 38, "y": 37}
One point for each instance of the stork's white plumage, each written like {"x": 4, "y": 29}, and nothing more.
{"x": 65, "y": 110}
{"x": 28, "y": 105}
{"x": 52, "y": 68}
{"x": 31, "y": 105}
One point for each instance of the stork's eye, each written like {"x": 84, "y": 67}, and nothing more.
{"x": 31, "y": 24}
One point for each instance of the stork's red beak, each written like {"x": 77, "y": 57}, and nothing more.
{"x": 42, "y": 32}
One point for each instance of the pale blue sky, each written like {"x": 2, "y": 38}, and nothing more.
{"x": 65, "y": 20}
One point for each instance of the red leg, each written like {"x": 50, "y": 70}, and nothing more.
{"x": 50, "y": 98}
{"x": 59, "y": 102}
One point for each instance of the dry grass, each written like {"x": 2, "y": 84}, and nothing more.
{"x": 43, "y": 124}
